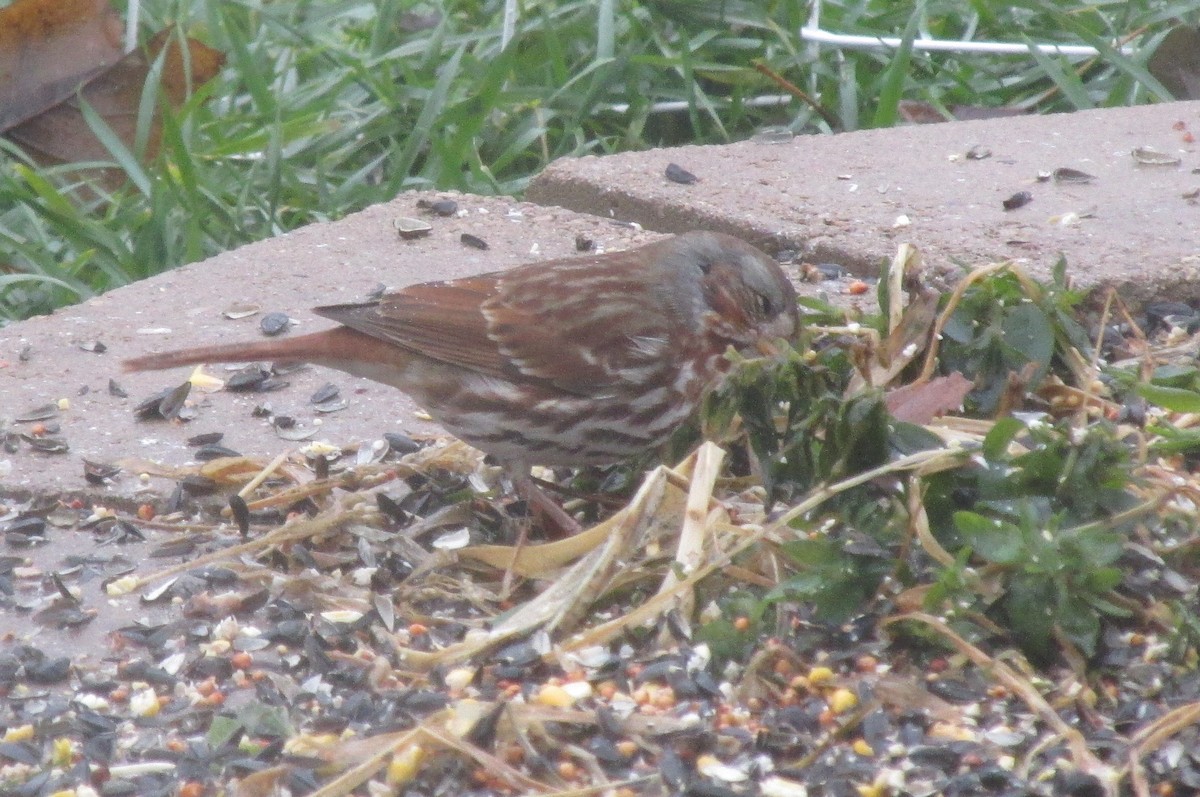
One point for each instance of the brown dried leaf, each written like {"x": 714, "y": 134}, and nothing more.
{"x": 61, "y": 135}
{"x": 49, "y": 47}
{"x": 921, "y": 403}
{"x": 1176, "y": 62}
{"x": 905, "y": 343}
{"x": 919, "y": 112}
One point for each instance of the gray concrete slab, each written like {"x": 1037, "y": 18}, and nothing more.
{"x": 844, "y": 198}
{"x": 320, "y": 264}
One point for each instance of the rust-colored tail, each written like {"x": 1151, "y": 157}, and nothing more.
{"x": 312, "y": 347}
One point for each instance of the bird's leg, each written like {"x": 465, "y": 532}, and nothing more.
{"x": 547, "y": 512}
{"x": 542, "y": 509}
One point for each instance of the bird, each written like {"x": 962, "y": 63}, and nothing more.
{"x": 585, "y": 360}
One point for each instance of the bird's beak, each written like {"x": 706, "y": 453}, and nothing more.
{"x": 786, "y": 327}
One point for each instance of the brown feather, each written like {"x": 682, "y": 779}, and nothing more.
{"x": 331, "y": 343}
{"x": 440, "y": 320}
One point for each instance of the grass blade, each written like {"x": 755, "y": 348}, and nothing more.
{"x": 116, "y": 147}
{"x": 891, "y": 89}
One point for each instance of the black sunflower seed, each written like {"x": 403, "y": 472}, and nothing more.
{"x": 47, "y": 445}
{"x": 831, "y": 271}
{"x": 439, "y": 207}
{"x": 1018, "y": 200}
{"x": 28, "y": 526}
{"x": 42, "y": 413}
{"x": 163, "y": 404}
{"x": 274, "y": 323}
{"x": 247, "y": 379}
{"x": 196, "y": 484}
{"x": 272, "y": 384}
{"x": 473, "y": 241}
{"x": 241, "y": 513}
{"x": 326, "y": 392}
{"x": 173, "y": 401}
{"x": 211, "y": 452}
{"x": 123, "y": 531}
{"x": 677, "y": 174}
{"x": 1069, "y": 175}
{"x": 401, "y": 443}
{"x": 410, "y": 229}
{"x": 98, "y": 472}
{"x": 48, "y": 671}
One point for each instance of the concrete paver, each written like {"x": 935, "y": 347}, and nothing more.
{"x": 844, "y": 198}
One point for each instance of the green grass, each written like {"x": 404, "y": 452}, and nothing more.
{"x": 325, "y": 108}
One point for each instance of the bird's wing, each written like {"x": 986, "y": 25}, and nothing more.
{"x": 440, "y": 320}
{"x": 583, "y": 325}
{"x": 587, "y": 330}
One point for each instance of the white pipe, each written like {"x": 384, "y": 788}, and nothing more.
{"x": 674, "y": 106}
{"x": 131, "y": 25}
{"x": 941, "y": 45}
{"x": 813, "y": 32}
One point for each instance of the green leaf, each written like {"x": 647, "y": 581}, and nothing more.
{"x": 1099, "y": 547}
{"x": 1171, "y": 398}
{"x": 725, "y": 640}
{"x": 1105, "y": 607}
{"x": 605, "y": 30}
{"x": 1029, "y": 331}
{"x": 221, "y": 730}
{"x": 1079, "y": 621}
{"x": 1104, "y": 579}
{"x": 995, "y": 444}
{"x": 1171, "y": 440}
{"x": 75, "y": 287}
{"x": 813, "y": 553}
{"x": 909, "y": 438}
{"x": 995, "y": 540}
{"x": 1136, "y": 69}
{"x": 1175, "y": 375}
{"x": 1031, "y": 605}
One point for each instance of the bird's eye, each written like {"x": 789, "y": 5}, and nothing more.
{"x": 764, "y": 305}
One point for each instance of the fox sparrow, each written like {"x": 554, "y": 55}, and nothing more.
{"x": 579, "y": 361}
